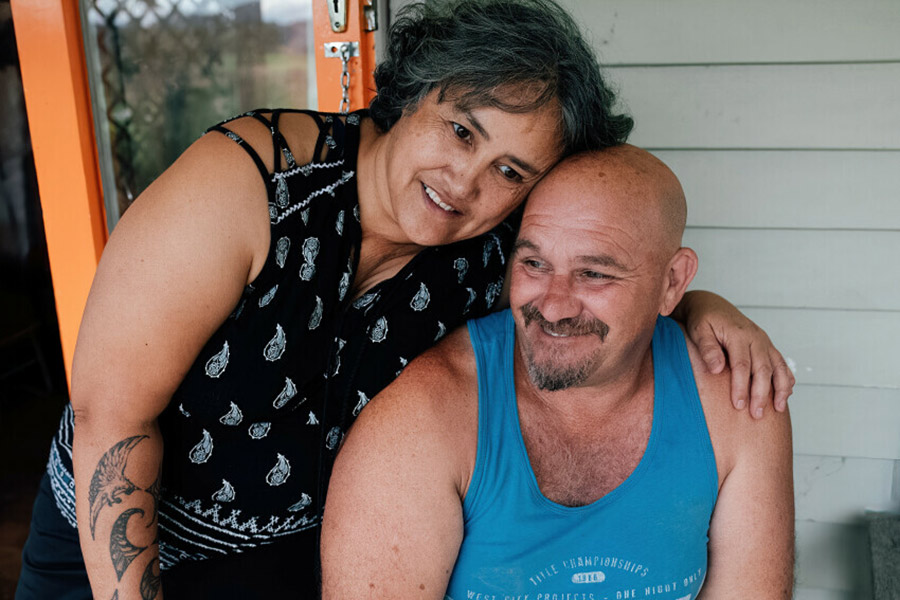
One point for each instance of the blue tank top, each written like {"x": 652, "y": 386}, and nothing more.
{"x": 645, "y": 539}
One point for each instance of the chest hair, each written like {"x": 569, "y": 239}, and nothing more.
{"x": 577, "y": 465}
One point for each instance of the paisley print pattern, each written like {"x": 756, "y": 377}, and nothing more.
{"x": 275, "y": 348}
{"x": 493, "y": 292}
{"x": 316, "y": 317}
{"x": 281, "y": 249}
{"x": 378, "y": 332}
{"x": 288, "y": 392}
{"x": 310, "y": 252}
{"x": 301, "y": 504}
{"x": 470, "y": 301}
{"x": 363, "y": 400}
{"x": 365, "y": 301}
{"x": 278, "y": 474}
{"x": 462, "y": 267}
{"x": 282, "y": 197}
{"x": 233, "y": 417}
{"x": 264, "y": 301}
{"x": 420, "y": 301}
{"x": 334, "y": 437}
{"x": 258, "y": 431}
{"x": 215, "y": 366}
{"x": 225, "y": 493}
{"x": 203, "y": 450}
{"x": 344, "y": 285}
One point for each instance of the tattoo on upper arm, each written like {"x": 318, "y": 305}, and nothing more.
{"x": 115, "y": 595}
{"x": 150, "y": 581}
{"x": 109, "y": 481}
{"x": 121, "y": 550}
{"x": 155, "y": 490}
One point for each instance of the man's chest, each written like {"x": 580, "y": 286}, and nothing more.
{"x": 575, "y": 468}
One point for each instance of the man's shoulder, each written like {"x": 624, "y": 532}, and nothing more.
{"x": 735, "y": 435}
{"x": 714, "y": 389}
{"x": 429, "y": 414}
{"x": 438, "y": 389}
{"x": 447, "y": 366}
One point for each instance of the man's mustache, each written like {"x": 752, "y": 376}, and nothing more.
{"x": 570, "y": 326}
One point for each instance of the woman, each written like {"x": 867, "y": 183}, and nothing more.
{"x": 246, "y": 309}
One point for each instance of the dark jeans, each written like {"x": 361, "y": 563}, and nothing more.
{"x": 53, "y": 569}
{"x": 52, "y": 566}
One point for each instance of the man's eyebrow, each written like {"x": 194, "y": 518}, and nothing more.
{"x": 602, "y": 260}
{"x": 526, "y": 244}
{"x": 477, "y": 126}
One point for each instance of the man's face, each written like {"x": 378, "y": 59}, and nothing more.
{"x": 587, "y": 281}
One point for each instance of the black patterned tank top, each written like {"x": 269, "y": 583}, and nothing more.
{"x": 252, "y": 431}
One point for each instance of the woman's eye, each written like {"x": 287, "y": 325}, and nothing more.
{"x": 510, "y": 173}
{"x": 461, "y": 132}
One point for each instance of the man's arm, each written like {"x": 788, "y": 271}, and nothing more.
{"x": 751, "y": 536}
{"x": 393, "y": 520}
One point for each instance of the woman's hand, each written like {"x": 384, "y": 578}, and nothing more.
{"x": 725, "y": 336}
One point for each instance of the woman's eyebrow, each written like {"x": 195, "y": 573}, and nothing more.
{"x": 523, "y": 165}
{"x": 477, "y": 126}
{"x": 475, "y": 123}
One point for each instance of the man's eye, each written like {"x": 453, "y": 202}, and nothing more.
{"x": 596, "y": 275}
{"x": 510, "y": 173}
{"x": 461, "y": 132}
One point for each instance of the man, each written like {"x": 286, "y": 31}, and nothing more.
{"x": 573, "y": 448}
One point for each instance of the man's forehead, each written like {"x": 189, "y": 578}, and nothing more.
{"x": 622, "y": 188}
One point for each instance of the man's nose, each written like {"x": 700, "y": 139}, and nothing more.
{"x": 559, "y": 301}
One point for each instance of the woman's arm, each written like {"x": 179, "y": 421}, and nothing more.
{"x": 172, "y": 272}
{"x": 725, "y": 336}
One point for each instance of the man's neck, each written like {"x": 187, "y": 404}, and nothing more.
{"x": 584, "y": 441}
{"x": 606, "y": 392}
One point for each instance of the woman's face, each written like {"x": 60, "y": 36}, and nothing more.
{"x": 454, "y": 173}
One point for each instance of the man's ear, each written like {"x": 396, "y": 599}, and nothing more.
{"x": 679, "y": 273}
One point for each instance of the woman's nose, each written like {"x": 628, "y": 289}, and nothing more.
{"x": 463, "y": 184}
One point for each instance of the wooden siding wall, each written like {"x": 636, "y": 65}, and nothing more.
{"x": 782, "y": 120}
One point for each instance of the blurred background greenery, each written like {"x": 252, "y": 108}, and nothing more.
{"x": 163, "y": 71}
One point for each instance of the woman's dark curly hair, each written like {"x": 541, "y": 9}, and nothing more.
{"x": 515, "y": 55}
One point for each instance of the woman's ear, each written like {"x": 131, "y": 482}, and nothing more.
{"x": 679, "y": 273}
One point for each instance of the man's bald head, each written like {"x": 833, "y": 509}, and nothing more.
{"x": 597, "y": 260}
{"x": 625, "y": 180}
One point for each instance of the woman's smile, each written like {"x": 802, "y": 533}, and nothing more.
{"x": 438, "y": 201}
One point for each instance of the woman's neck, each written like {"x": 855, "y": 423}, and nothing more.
{"x": 383, "y": 251}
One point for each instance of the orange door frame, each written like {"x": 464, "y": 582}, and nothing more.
{"x": 58, "y": 103}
